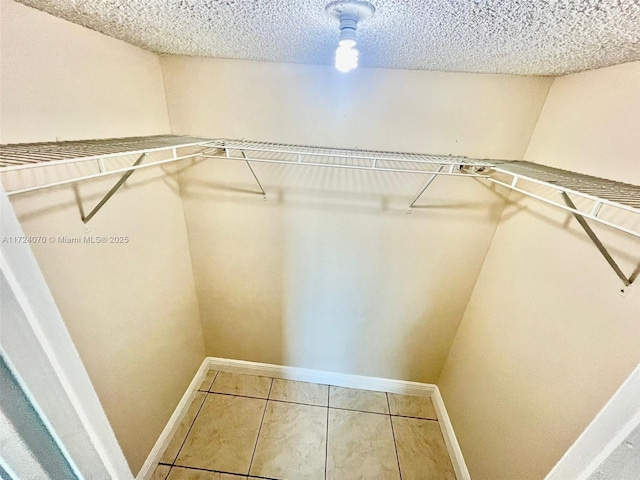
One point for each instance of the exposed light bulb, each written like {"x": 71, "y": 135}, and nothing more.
{"x": 346, "y": 57}
{"x": 347, "y": 42}
{"x": 349, "y": 12}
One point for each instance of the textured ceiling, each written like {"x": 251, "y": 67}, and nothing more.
{"x": 525, "y": 37}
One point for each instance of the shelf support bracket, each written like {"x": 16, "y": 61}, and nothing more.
{"x": 429, "y": 182}
{"x": 594, "y": 238}
{"x": 113, "y": 190}
{"x": 264, "y": 194}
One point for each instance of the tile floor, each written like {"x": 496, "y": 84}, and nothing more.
{"x": 246, "y": 426}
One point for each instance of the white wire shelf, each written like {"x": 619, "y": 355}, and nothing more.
{"x": 355, "y": 159}
{"x": 593, "y": 192}
{"x": 594, "y": 188}
{"x": 19, "y": 156}
{"x": 590, "y": 193}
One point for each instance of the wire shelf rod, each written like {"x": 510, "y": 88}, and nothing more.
{"x": 561, "y": 188}
{"x": 410, "y": 159}
{"x": 568, "y": 209}
{"x": 352, "y": 167}
{"x": 99, "y": 175}
{"x": 52, "y": 163}
{"x": 369, "y": 155}
{"x": 518, "y": 174}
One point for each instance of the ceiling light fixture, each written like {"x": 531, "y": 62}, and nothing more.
{"x": 349, "y": 12}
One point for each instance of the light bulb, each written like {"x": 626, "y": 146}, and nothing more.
{"x": 349, "y": 12}
{"x": 347, "y": 42}
{"x": 346, "y": 56}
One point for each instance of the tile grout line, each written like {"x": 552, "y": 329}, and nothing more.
{"x": 321, "y": 406}
{"x": 264, "y": 412}
{"x": 191, "y": 426}
{"x": 215, "y": 377}
{"x": 416, "y": 418}
{"x": 326, "y": 440}
{"x": 379, "y": 413}
{"x": 198, "y": 469}
{"x": 267, "y": 399}
{"x": 168, "y": 473}
{"x": 393, "y": 433}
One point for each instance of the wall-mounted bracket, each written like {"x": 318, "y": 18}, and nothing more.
{"x": 113, "y": 190}
{"x": 524, "y": 177}
{"x": 429, "y": 182}
{"x": 594, "y": 238}
{"x": 264, "y": 194}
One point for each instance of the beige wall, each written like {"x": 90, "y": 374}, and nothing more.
{"x": 330, "y": 272}
{"x": 131, "y": 309}
{"x": 60, "y": 81}
{"x": 546, "y": 338}
{"x": 465, "y": 114}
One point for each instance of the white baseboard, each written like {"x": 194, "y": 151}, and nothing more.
{"x": 313, "y": 376}
{"x": 459, "y": 465}
{"x": 165, "y": 437}
{"x": 321, "y": 376}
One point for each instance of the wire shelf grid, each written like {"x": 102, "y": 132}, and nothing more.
{"x": 516, "y": 175}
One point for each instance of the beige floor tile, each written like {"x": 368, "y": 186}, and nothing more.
{"x": 239, "y": 384}
{"x": 160, "y": 473}
{"x": 178, "y": 473}
{"x": 421, "y": 450}
{"x": 292, "y": 442}
{"x": 224, "y": 434}
{"x": 172, "y": 450}
{"x": 354, "y": 399}
{"x": 299, "y": 392}
{"x": 360, "y": 447}
{"x": 208, "y": 380}
{"x": 411, "y": 406}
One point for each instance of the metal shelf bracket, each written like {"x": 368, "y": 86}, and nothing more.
{"x": 594, "y": 238}
{"x": 533, "y": 180}
{"x": 264, "y": 194}
{"x": 429, "y": 182}
{"x": 114, "y": 189}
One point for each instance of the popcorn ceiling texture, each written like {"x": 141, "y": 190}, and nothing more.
{"x": 523, "y": 37}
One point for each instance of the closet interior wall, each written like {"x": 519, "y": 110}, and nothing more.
{"x": 131, "y": 308}
{"x": 330, "y": 273}
{"x": 546, "y": 338}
